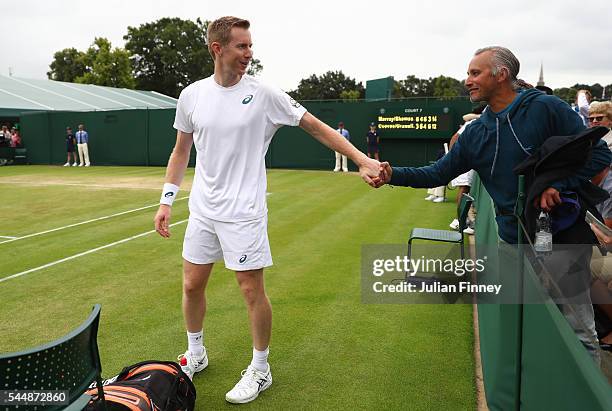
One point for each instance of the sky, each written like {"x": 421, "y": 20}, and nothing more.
{"x": 364, "y": 39}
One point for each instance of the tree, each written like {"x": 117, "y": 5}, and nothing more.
{"x": 67, "y": 65}
{"x": 412, "y": 86}
{"x": 566, "y": 93}
{"x": 350, "y": 95}
{"x": 447, "y": 87}
{"x": 607, "y": 92}
{"x": 596, "y": 91}
{"x": 170, "y": 53}
{"x": 328, "y": 86}
{"x": 105, "y": 66}
{"x": 100, "y": 65}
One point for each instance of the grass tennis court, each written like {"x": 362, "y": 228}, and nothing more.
{"x": 328, "y": 350}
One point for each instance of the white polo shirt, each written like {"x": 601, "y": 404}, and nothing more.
{"x": 232, "y": 128}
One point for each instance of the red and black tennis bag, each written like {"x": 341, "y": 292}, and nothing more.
{"x": 146, "y": 386}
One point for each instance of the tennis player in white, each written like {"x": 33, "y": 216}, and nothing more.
{"x": 231, "y": 118}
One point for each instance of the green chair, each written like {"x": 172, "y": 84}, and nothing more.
{"x": 447, "y": 236}
{"x": 70, "y": 364}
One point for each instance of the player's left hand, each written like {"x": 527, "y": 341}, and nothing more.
{"x": 369, "y": 170}
{"x": 162, "y": 220}
{"x": 548, "y": 199}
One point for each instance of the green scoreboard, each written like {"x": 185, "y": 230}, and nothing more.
{"x": 419, "y": 118}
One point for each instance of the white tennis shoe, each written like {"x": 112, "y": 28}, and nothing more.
{"x": 250, "y": 385}
{"x": 190, "y": 364}
{"x": 454, "y": 225}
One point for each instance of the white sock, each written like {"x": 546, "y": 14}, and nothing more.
{"x": 260, "y": 359}
{"x": 196, "y": 343}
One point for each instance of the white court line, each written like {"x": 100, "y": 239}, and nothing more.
{"x": 84, "y": 222}
{"x": 7, "y": 236}
{"x": 93, "y": 250}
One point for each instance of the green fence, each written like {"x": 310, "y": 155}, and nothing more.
{"x": 414, "y": 134}
{"x": 124, "y": 137}
{"x": 531, "y": 358}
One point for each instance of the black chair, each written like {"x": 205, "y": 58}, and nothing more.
{"x": 70, "y": 364}
{"x": 447, "y": 236}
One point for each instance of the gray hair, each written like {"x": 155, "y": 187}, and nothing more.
{"x": 503, "y": 58}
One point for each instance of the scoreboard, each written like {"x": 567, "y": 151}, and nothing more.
{"x": 414, "y": 122}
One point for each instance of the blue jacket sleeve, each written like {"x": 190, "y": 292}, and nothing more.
{"x": 438, "y": 174}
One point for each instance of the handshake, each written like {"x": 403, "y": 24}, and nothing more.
{"x": 375, "y": 173}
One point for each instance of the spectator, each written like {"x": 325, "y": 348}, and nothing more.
{"x": 583, "y": 99}
{"x": 82, "y": 138}
{"x": 437, "y": 194}
{"x": 15, "y": 138}
{"x": 372, "y": 140}
{"x": 512, "y": 128}
{"x": 600, "y": 114}
{"x": 5, "y": 136}
{"x": 463, "y": 182}
{"x": 601, "y": 290}
{"x": 71, "y": 146}
{"x": 345, "y": 133}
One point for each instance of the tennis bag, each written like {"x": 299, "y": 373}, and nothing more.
{"x": 146, "y": 386}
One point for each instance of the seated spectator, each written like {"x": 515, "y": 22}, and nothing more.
{"x": 15, "y": 138}
{"x": 5, "y": 136}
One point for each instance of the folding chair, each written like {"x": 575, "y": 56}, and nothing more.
{"x": 446, "y": 236}
{"x": 70, "y": 363}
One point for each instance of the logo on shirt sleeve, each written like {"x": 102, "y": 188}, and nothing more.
{"x": 294, "y": 103}
{"x": 247, "y": 99}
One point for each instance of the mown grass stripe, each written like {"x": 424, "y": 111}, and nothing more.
{"x": 106, "y": 217}
{"x": 93, "y": 250}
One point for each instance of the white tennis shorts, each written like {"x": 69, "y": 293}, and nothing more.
{"x": 243, "y": 245}
{"x": 464, "y": 179}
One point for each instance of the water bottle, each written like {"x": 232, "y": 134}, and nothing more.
{"x": 543, "y": 238}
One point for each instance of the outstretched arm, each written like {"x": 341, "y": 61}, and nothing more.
{"x": 368, "y": 168}
{"x": 174, "y": 175}
{"x": 437, "y": 174}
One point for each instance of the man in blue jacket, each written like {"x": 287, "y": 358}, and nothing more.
{"x": 513, "y": 126}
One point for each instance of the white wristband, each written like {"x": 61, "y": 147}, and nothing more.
{"x": 169, "y": 193}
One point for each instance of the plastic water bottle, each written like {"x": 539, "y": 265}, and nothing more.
{"x": 543, "y": 238}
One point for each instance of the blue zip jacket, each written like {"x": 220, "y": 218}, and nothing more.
{"x": 495, "y": 143}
